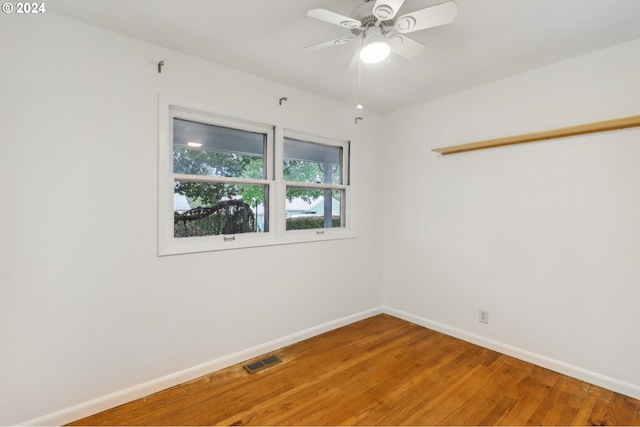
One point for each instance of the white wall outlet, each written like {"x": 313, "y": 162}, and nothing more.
{"x": 483, "y": 316}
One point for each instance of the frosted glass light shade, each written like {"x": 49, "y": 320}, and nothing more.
{"x": 375, "y": 48}
{"x": 375, "y": 52}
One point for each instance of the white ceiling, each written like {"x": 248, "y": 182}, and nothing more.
{"x": 490, "y": 40}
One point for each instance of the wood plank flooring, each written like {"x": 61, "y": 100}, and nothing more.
{"x": 381, "y": 371}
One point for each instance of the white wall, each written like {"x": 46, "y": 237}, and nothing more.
{"x": 86, "y": 306}
{"x": 546, "y": 236}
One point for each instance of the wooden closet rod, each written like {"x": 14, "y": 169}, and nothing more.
{"x": 607, "y": 125}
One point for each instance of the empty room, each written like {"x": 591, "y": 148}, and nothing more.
{"x": 320, "y": 212}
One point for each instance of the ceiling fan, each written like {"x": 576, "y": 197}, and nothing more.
{"x": 375, "y": 23}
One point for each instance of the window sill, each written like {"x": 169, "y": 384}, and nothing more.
{"x": 179, "y": 246}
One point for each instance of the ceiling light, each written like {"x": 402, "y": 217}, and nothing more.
{"x": 194, "y": 144}
{"x": 374, "y": 48}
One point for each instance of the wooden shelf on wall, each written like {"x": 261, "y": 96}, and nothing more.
{"x": 604, "y": 126}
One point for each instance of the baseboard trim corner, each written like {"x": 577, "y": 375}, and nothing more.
{"x": 555, "y": 365}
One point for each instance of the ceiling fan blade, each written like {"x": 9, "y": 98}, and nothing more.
{"x": 404, "y": 46}
{"x": 334, "y": 18}
{"x": 430, "y": 17}
{"x": 336, "y": 42}
{"x": 386, "y": 9}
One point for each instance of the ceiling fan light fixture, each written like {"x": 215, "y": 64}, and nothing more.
{"x": 375, "y": 52}
{"x": 374, "y": 49}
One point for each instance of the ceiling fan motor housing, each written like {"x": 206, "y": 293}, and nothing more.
{"x": 364, "y": 14}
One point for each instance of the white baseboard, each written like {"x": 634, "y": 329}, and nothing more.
{"x": 586, "y": 375}
{"x": 112, "y": 400}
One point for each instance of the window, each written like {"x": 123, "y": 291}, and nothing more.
{"x": 219, "y": 178}
{"x": 315, "y": 177}
{"x": 221, "y": 188}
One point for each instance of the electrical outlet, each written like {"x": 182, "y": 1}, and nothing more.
{"x": 483, "y": 316}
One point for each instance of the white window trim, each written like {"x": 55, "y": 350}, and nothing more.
{"x": 345, "y": 205}
{"x": 277, "y": 234}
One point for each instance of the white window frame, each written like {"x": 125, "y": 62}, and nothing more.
{"x": 339, "y": 232}
{"x": 277, "y": 234}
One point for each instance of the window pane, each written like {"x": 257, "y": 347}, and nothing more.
{"x": 206, "y": 209}
{"x": 313, "y": 208}
{"x": 204, "y": 149}
{"x": 311, "y": 162}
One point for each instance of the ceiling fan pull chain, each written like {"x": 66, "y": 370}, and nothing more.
{"x": 359, "y": 105}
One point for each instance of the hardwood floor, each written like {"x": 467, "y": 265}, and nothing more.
{"x": 381, "y": 371}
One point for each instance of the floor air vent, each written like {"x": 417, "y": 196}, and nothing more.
{"x": 261, "y": 364}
